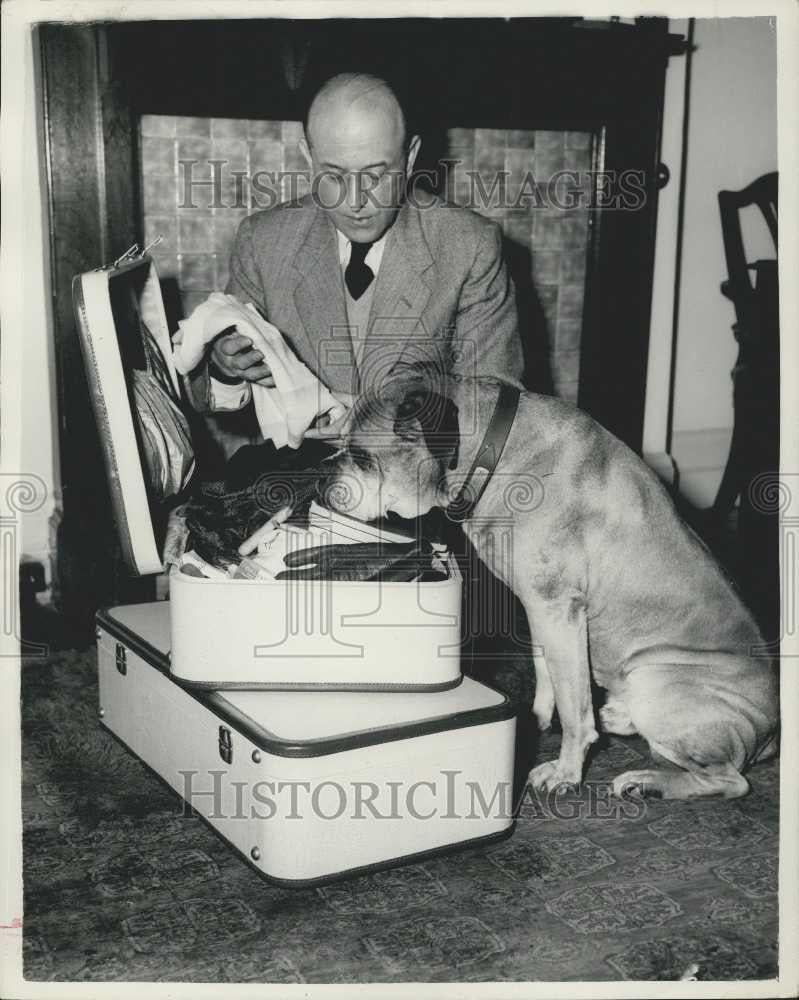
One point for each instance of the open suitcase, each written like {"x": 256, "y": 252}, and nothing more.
{"x": 306, "y": 784}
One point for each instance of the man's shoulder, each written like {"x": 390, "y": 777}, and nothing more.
{"x": 293, "y": 216}
{"x": 444, "y": 222}
{"x": 436, "y": 215}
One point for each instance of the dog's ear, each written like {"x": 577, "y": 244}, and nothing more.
{"x": 424, "y": 415}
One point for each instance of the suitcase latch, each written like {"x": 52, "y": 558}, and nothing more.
{"x": 225, "y": 745}
{"x": 122, "y": 665}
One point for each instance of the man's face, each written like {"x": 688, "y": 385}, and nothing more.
{"x": 359, "y": 162}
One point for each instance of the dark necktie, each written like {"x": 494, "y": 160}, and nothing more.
{"x": 358, "y": 275}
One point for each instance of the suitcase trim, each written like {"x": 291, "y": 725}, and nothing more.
{"x": 269, "y": 743}
{"x": 473, "y": 843}
{"x": 321, "y": 686}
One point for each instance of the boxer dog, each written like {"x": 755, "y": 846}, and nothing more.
{"x": 614, "y": 584}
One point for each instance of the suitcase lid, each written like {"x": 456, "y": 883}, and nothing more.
{"x": 313, "y": 723}
{"x": 114, "y": 308}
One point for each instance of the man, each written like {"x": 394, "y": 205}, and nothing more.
{"x": 356, "y": 275}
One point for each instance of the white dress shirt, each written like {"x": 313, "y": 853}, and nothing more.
{"x": 373, "y": 258}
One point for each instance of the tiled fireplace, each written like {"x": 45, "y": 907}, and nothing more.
{"x": 546, "y": 247}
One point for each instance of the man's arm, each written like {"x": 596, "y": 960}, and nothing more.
{"x": 487, "y": 325}
{"x": 221, "y": 382}
{"x": 244, "y": 281}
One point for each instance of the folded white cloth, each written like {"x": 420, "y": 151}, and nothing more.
{"x": 288, "y": 409}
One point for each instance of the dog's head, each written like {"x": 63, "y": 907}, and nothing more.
{"x": 401, "y": 441}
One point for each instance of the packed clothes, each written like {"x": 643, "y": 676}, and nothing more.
{"x": 269, "y": 526}
{"x": 223, "y": 514}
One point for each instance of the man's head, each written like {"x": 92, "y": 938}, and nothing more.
{"x": 358, "y": 151}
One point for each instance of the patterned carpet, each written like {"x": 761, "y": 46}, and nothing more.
{"x": 120, "y": 886}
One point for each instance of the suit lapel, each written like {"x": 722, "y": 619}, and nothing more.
{"x": 319, "y": 300}
{"x": 401, "y": 290}
{"x": 400, "y": 296}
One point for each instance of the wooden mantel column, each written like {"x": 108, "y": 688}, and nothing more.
{"x": 89, "y": 139}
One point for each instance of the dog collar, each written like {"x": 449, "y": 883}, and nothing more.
{"x": 488, "y": 454}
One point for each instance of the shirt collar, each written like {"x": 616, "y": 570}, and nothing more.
{"x": 373, "y": 258}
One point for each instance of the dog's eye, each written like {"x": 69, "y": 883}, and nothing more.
{"x": 361, "y": 458}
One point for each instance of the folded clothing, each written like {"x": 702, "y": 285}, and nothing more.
{"x": 224, "y": 513}
{"x": 285, "y": 411}
{"x": 316, "y": 544}
{"x": 292, "y": 552}
{"x": 386, "y": 562}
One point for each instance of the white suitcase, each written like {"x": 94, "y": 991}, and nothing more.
{"x": 250, "y": 633}
{"x": 312, "y": 786}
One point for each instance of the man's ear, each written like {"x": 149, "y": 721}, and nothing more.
{"x": 428, "y": 417}
{"x": 306, "y": 152}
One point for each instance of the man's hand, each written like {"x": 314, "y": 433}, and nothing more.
{"x": 233, "y": 358}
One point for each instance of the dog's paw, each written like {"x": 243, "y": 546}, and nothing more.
{"x": 553, "y": 774}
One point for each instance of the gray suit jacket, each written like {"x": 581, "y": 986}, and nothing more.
{"x": 442, "y": 294}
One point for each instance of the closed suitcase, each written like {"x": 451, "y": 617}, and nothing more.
{"x": 312, "y": 786}
{"x": 300, "y": 635}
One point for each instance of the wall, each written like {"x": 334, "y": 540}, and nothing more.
{"x": 549, "y": 243}
{"x": 732, "y": 139}
{"x": 548, "y": 247}
{"x": 38, "y": 410}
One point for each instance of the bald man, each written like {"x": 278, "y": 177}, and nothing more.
{"x": 359, "y": 274}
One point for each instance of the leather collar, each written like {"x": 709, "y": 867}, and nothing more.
{"x": 488, "y": 454}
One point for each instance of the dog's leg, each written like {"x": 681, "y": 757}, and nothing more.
{"x": 562, "y": 629}
{"x": 720, "y": 781}
{"x": 544, "y": 700}
{"x": 701, "y": 733}
{"x": 614, "y": 717}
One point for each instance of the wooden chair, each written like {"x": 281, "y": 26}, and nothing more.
{"x": 756, "y": 371}
{"x": 753, "y": 462}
